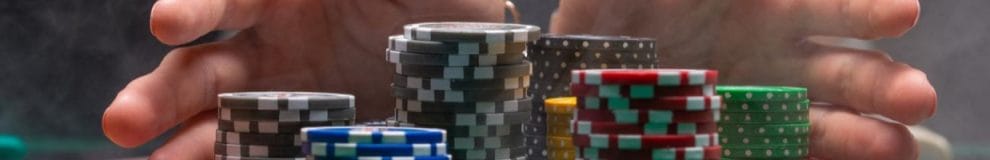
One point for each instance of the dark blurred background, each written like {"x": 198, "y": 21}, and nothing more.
{"x": 63, "y": 61}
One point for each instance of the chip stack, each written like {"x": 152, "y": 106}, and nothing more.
{"x": 374, "y": 143}
{"x": 659, "y": 114}
{"x": 266, "y": 125}
{"x": 560, "y": 111}
{"x": 467, "y": 78}
{"x": 764, "y": 122}
{"x": 554, "y": 56}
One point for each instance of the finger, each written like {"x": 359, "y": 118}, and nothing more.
{"x": 867, "y": 19}
{"x": 179, "y": 21}
{"x": 193, "y": 141}
{"x": 841, "y": 134}
{"x": 185, "y": 84}
{"x": 870, "y": 82}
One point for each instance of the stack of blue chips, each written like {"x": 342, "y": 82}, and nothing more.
{"x": 380, "y": 143}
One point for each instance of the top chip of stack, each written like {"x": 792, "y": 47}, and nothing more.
{"x": 374, "y": 142}
{"x": 765, "y": 122}
{"x": 258, "y": 125}
{"x": 467, "y": 78}
{"x": 658, "y": 113}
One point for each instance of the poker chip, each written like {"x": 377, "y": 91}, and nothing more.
{"x": 762, "y": 107}
{"x": 447, "y": 157}
{"x": 598, "y": 127}
{"x": 486, "y": 142}
{"x": 458, "y": 96}
{"x": 274, "y": 126}
{"x": 558, "y": 131}
{"x": 500, "y": 153}
{"x": 640, "y": 91}
{"x": 763, "y": 141}
{"x": 673, "y": 103}
{"x": 471, "y": 32}
{"x": 460, "y": 84}
{"x": 659, "y": 77}
{"x": 257, "y": 150}
{"x": 376, "y": 135}
{"x": 275, "y": 100}
{"x": 453, "y": 60}
{"x": 562, "y": 154}
{"x": 258, "y": 139}
{"x": 559, "y": 143}
{"x": 796, "y": 151}
{"x": 764, "y": 129}
{"x": 534, "y": 129}
{"x": 762, "y": 93}
{"x": 595, "y": 42}
{"x": 765, "y": 117}
{"x": 520, "y": 105}
{"x": 646, "y": 116}
{"x": 401, "y": 43}
{"x": 537, "y": 152}
{"x": 679, "y": 153}
{"x": 227, "y": 157}
{"x": 559, "y": 119}
{"x": 286, "y": 115}
{"x": 376, "y": 149}
{"x": 462, "y": 119}
{"x": 586, "y": 59}
{"x": 480, "y": 130}
{"x": 536, "y": 140}
{"x": 471, "y": 72}
{"x": 561, "y": 105}
{"x": 638, "y": 142}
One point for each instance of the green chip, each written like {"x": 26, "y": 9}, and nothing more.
{"x": 801, "y": 106}
{"x": 764, "y": 117}
{"x": 794, "y": 151}
{"x": 762, "y": 93}
{"x": 731, "y": 129}
{"x": 762, "y": 141}
{"x": 11, "y": 147}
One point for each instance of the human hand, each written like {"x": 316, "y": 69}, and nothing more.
{"x": 766, "y": 42}
{"x": 297, "y": 45}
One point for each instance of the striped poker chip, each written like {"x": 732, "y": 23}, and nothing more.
{"x": 762, "y": 93}
{"x": 763, "y": 141}
{"x": 765, "y": 117}
{"x": 459, "y": 96}
{"x": 639, "y": 142}
{"x": 471, "y": 72}
{"x": 471, "y": 32}
{"x": 258, "y": 139}
{"x": 594, "y": 42}
{"x": 593, "y": 127}
{"x": 762, "y": 107}
{"x": 520, "y": 105}
{"x": 763, "y": 129}
{"x": 560, "y": 143}
{"x": 796, "y": 151}
{"x": 446, "y": 157}
{"x": 462, "y": 119}
{"x": 560, "y": 105}
{"x": 633, "y": 116}
{"x": 681, "y": 153}
{"x": 453, "y": 60}
{"x": 275, "y": 126}
{"x": 274, "y": 100}
{"x": 561, "y": 153}
{"x": 257, "y": 150}
{"x": 286, "y": 115}
{"x": 640, "y": 91}
{"x": 479, "y": 131}
{"x": 379, "y": 135}
{"x": 673, "y": 103}
{"x": 486, "y": 142}
{"x": 373, "y": 149}
{"x": 229, "y": 157}
{"x": 401, "y": 43}
{"x": 460, "y": 84}
{"x": 498, "y": 153}
{"x": 661, "y": 77}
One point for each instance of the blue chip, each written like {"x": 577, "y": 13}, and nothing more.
{"x": 361, "y": 149}
{"x": 373, "y": 135}
{"x": 380, "y": 158}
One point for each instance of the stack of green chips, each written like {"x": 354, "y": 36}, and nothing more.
{"x": 11, "y": 148}
{"x": 764, "y": 122}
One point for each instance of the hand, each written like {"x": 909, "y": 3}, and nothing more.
{"x": 766, "y": 42}
{"x": 294, "y": 45}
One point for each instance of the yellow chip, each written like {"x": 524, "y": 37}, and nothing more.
{"x": 560, "y": 142}
{"x": 561, "y": 154}
{"x": 557, "y": 119}
{"x": 560, "y": 105}
{"x": 558, "y": 131}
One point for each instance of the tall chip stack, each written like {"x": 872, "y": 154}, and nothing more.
{"x": 554, "y": 56}
{"x": 560, "y": 111}
{"x": 266, "y": 125}
{"x": 659, "y": 114}
{"x": 374, "y": 143}
{"x": 467, "y": 78}
{"x": 764, "y": 122}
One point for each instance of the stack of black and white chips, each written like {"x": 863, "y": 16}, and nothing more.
{"x": 266, "y": 125}
{"x": 554, "y": 56}
{"x": 468, "y": 78}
